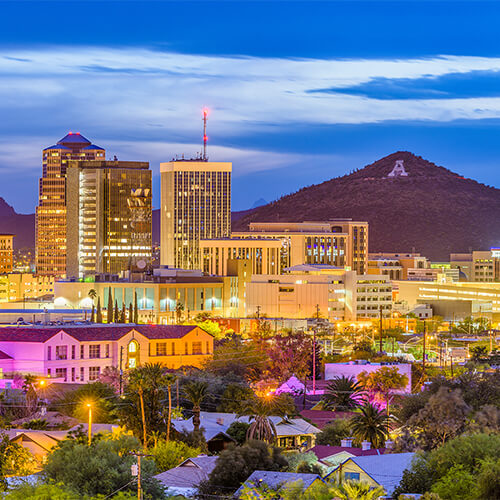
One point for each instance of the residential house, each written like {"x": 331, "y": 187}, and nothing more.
{"x": 378, "y": 470}
{"x": 76, "y": 353}
{"x": 292, "y": 433}
{"x": 260, "y": 480}
{"x": 185, "y": 478}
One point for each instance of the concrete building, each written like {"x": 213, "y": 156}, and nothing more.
{"x": 195, "y": 205}
{"x": 396, "y": 265}
{"x": 79, "y": 354}
{"x": 159, "y": 296}
{"x": 336, "y": 242}
{"x": 6, "y": 253}
{"x": 341, "y": 295}
{"x": 478, "y": 265}
{"x": 51, "y": 210}
{"x": 108, "y": 213}
{"x": 21, "y": 287}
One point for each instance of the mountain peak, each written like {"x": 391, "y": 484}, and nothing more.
{"x": 5, "y": 209}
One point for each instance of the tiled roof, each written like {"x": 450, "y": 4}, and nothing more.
{"x": 93, "y": 333}
{"x": 74, "y": 138}
{"x": 320, "y": 418}
{"x": 323, "y": 451}
{"x": 57, "y": 146}
{"x": 189, "y": 473}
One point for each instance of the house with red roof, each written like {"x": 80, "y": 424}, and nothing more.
{"x": 79, "y": 354}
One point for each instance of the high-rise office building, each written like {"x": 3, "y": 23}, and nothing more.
{"x": 109, "y": 208}
{"x": 6, "y": 253}
{"x": 195, "y": 205}
{"x": 51, "y": 209}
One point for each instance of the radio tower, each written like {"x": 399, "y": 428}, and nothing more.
{"x": 205, "y": 113}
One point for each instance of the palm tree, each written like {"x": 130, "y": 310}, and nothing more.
{"x": 169, "y": 380}
{"x": 342, "y": 393}
{"x": 92, "y": 294}
{"x": 350, "y": 490}
{"x": 371, "y": 425}
{"x": 196, "y": 392}
{"x": 262, "y": 427}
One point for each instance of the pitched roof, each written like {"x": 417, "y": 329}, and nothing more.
{"x": 275, "y": 479}
{"x": 324, "y": 451}
{"x": 189, "y": 473}
{"x": 56, "y": 146}
{"x": 74, "y": 138}
{"x": 3, "y": 355}
{"x": 93, "y": 146}
{"x": 320, "y": 418}
{"x": 93, "y": 333}
{"x": 387, "y": 470}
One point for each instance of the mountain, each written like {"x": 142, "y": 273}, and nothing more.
{"x": 259, "y": 203}
{"x": 431, "y": 209}
{"x": 22, "y": 225}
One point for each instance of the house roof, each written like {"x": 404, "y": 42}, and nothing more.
{"x": 45, "y": 440}
{"x": 275, "y": 479}
{"x": 74, "y": 138}
{"x": 93, "y": 333}
{"x": 324, "y": 451}
{"x": 217, "y": 423}
{"x": 320, "y": 418}
{"x": 189, "y": 473}
{"x": 387, "y": 470}
{"x": 93, "y": 147}
{"x": 57, "y": 146}
{"x": 3, "y": 355}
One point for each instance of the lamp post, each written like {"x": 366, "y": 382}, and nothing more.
{"x": 89, "y": 406}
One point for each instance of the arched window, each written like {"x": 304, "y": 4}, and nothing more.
{"x": 133, "y": 354}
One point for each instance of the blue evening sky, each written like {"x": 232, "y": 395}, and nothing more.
{"x": 298, "y": 92}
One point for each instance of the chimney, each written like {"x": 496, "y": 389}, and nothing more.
{"x": 220, "y": 421}
{"x": 389, "y": 444}
{"x": 346, "y": 443}
{"x": 365, "y": 445}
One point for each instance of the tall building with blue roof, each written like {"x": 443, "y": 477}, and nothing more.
{"x": 51, "y": 210}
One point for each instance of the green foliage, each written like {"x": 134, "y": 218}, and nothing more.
{"x": 333, "y": 433}
{"x": 456, "y": 484}
{"x": 211, "y": 327}
{"x": 384, "y": 381}
{"x": 371, "y": 425}
{"x": 305, "y": 461}
{"x": 417, "y": 479}
{"x": 101, "y": 468}
{"x": 488, "y": 480}
{"x": 236, "y": 463}
{"x": 193, "y": 439}
{"x": 342, "y": 394}
{"x": 14, "y": 460}
{"x": 102, "y": 396}
{"x": 238, "y": 431}
{"x": 358, "y": 490}
{"x": 98, "y": 317}
{"x": 36, "y": 424}
{"x": 169, "y": 454}
{"x": 234, "y": 398}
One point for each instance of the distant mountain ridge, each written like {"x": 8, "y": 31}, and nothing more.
{"x": 431, "y": 208}
{"x": 22, "y": 225}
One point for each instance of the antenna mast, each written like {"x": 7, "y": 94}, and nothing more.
{"x": 205, "y": 113}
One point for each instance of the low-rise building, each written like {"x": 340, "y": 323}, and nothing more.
{"x": 479, "y": 265}
{"x": 339, "y": 294}
{"x": 21, "y": 287}
{"x": 6, "y": 252}
{"x": 79, "y": 354}
{"x": 396, "y": 265}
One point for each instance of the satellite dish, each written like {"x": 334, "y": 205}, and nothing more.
{"x": 141, "y": 264}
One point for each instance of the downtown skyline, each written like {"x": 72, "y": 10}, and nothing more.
{"x": 370, "y": 79}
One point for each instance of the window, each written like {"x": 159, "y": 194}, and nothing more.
{"x": 186, "y": 351}
{"x": 173, "y": 348}
{"x": 48, "y": 372}
{"x": 61, "y": 373}
{"x": 49, "y": 353}
{"x": 61, "y": 352}
{"x": 207, "y": 346}
{"x": 107, "y": 350}
{"x": 73, "y": 374}
{"x": 351, "y": 476}
{"x": 94, "y": 351}
{"x": 94, "y": 372}
{"x": 161, "y": 349}
{"x": 82, "y": 351}
{"x": 82, "y": 373}
{"x": 197, "y": 348}
{"x": 73, "y": 352}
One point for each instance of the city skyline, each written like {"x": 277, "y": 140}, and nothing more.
{"x": 381, "y": 75}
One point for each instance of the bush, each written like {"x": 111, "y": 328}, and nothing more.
{"x": 238, "y": 431}
{"x": 169, "y": 454}
{"x": 333, "y": 433}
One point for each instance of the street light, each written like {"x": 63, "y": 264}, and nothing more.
{"x": 89, "y": 406}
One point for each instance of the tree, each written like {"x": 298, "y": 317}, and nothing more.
{"x": 92, "y": 314}
{"x": 179, "y": 310}
{"x": 384, "y": 381}
{"x": 417, "y": 479}
{"x": 236, "y": 463}
{"x": 136, "y": 309}
{"x": 370, "y": 425}
{"x": 457, "y": 483}
{"x": 102, "y": 468}
{"x": 98, "y": 316}
{"x": 290, "y": 355}
{"x": 110, "y": 376}
{"x": 235, "y": 398}
{"x": 130, "y": 313}
{"x": 110, "y": 306}
{"x": 443, "y": 417}
{"x": 123, "y": 314}
{"x": 117, "y": 313}
{"x": 92, "y": 294}
{"x": 26, "y": 491}
{"x": 333, "y": 433}
{"x": 262, "y": 427}
{"x": 479, "y": 354}
{"x": 358, "y": 490}
{"x": 488, "y": 481}
{"x": 169, "y": 379}
{"x": 342, "y": 394}
{"x": 169, "y": 454}
{"x": 30, "y": 393}
{"x": 196, "y": 392}
{"x": 14, "y": 460}
{"x": 238, "y": 431}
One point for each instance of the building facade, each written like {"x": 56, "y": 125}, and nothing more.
{"x": 6, "y": 253}
{"x": 339, "y": 294}
{"x": 478, "y": 265}
{"x": 337, "y": 242}
{"x": 79, "y": 354}
{"x": 50, "y": 239}
{"x": 195, "y": 205}
{"x": 109, "y": 214}
{"x": 396, "y": 265}
{"x": 22, "y": 287}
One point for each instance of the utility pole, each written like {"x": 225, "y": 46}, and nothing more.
{"x": 381, "y": 346}
{"x": 314, "y": 349}
{"x": 258, "y": 312}
{"x": 136, "y": 471}
{"x": 423, "y": 353}
{"x": 121, "y": 370}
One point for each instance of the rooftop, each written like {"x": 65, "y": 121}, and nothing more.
{"x": 276, "y": 479}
